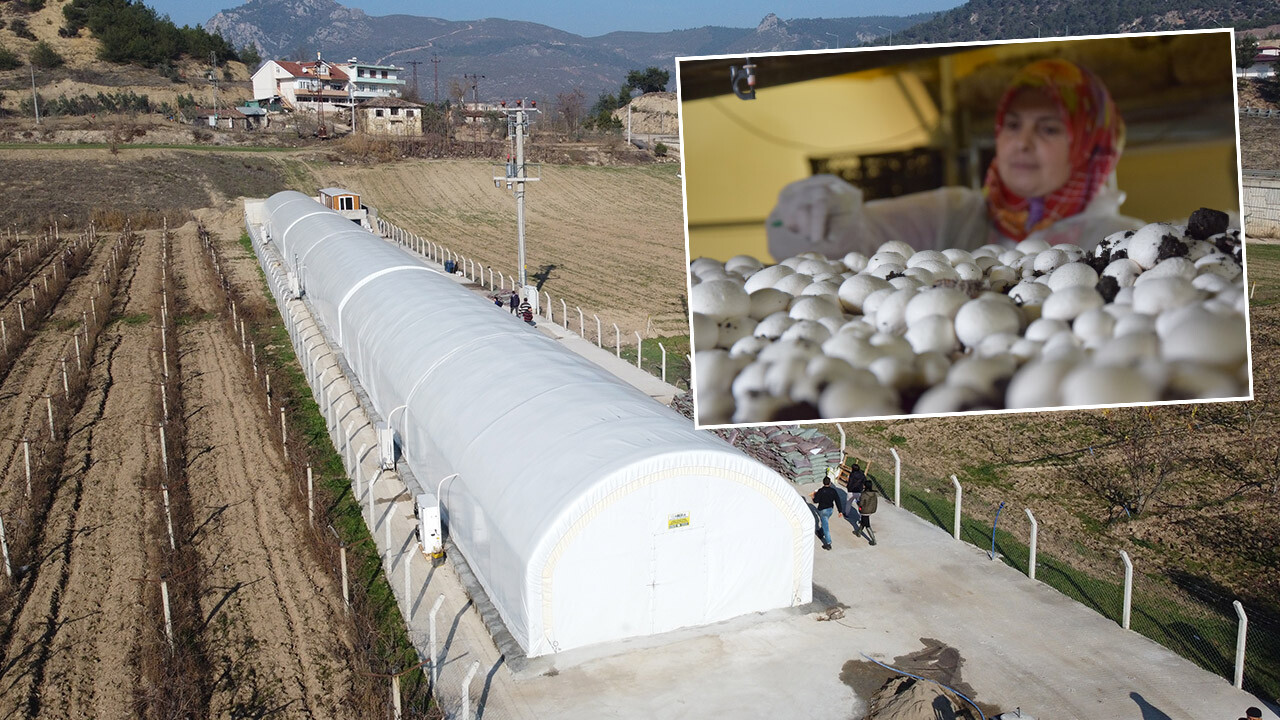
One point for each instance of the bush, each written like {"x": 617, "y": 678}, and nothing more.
{"x": 660, "y": 149}
{"x": 132, "y": 32}
{"x": 8, "y": 60}
{"x": 19, "y": 28}
{"x": 44, "y": 56}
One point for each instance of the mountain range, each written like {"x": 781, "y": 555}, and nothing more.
{"x": 510, "y": 58}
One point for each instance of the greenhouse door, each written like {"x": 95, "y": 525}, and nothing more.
{"x": 679, "y": 586}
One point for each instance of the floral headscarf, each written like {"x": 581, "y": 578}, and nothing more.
{"x": 1096, "y": 132}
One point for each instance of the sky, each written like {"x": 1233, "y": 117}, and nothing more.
{"x": 593, "y": 17}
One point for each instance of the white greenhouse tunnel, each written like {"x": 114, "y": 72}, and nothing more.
{"x": 587, "y": 511}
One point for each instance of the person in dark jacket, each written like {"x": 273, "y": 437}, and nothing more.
{"x": 514, "y": 300}
{"x": 867, "y": 501}
{"x": 826, "y": 499}
{"x": 857, "y": 479}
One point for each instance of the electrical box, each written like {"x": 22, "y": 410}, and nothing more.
{"x": 386, "y": 448}
{"x": 429, "y": 526}
{"x": 531, "y": 294}
{"x": 295, "y": 286}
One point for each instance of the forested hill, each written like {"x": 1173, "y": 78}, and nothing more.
{"x": 1006, "y": 19}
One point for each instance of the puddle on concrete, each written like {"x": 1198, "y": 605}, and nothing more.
{"x": 935, "y": 661}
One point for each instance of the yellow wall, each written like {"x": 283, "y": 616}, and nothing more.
{"x": 1171, "y": 182}
{"x": 739, "y": 154}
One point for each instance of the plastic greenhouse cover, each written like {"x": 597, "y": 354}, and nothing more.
{"x": 588, "y": 511}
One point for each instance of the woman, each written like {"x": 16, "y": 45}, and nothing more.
{"x": 1058, "y": 139}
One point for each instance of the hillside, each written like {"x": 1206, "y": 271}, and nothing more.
{"x": 1005, "y": 19}
{"x": 83, "y": 72}
{"x": 514, "y": 59}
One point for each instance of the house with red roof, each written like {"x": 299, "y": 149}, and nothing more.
{"x": 314, "y": 86}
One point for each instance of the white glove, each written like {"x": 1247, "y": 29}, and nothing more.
{"x": 817, "y": 214}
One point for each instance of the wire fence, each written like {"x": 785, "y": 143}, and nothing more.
{"x": 1186, "y": 614}
{"x": 666, "y": 358}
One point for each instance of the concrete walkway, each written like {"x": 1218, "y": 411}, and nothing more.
{"x": 1019, "y": 642}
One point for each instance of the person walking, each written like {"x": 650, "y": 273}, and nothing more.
{"x": 867, "y": 501}
{"x": 857, "y": 480}
{"x": 514, "y": 301}
{"x": 826, "y": 499}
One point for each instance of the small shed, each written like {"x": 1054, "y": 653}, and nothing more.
{"x": 390, "y": 116}
{"x": 339, "y": 199}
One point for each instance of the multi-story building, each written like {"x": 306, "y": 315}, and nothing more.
{"x": 371, "y": 81}
{"x": 317, "y": 86}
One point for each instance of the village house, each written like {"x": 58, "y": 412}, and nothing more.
{"x": 389, "y": 116}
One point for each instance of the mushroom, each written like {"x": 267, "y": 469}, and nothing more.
{"x": 979, "y": 318}
{"x": 719, "y": 299}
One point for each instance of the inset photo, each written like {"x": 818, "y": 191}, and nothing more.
{"x": 929, "y": 230}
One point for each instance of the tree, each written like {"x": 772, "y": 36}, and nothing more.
{"x": 8, "y": 59}
{"x": 570, "y": 108}
{"x": 1246, "y": 49}
{"x": 651, "y": 79}
{"x": 44, "y": 56}
{"x": 250, "y": 56}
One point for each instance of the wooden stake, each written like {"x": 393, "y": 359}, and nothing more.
{"x": 26, "y": 463}
{"x": 79, "y": 366}
{"x": 168, "y": 518}
{"x": 66, "y": 389}
{"x": 284, "y": 435}
{"x": 48, "y": 402}
{"x": 311, "y": 512}
{"x": 4, "y": 545}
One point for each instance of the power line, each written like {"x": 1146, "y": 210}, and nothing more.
{"x": 415, "y": 64}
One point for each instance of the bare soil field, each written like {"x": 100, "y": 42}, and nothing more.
{"x": 609, "y": 239}
{"x": 270, "y": 642}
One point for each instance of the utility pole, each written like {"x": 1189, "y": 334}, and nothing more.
{"x": 475, "y": 87}
{"x": 415, "y": 64}
{"x": 516, "y": 176}
{"x": 213, "y": 81}
{"x": 435, "y": 65}
{"x": 35, "y": 98}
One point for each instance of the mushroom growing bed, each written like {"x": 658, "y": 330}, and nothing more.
{"x": 1156, "y": 314}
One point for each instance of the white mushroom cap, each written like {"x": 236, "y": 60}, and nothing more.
{"x": 1036, "y": 384}
{"x": 1045, "y": 328}
{"x": 814, "y": 307}
{"x": 715, "y": 370}
{"x": 774, "y": 325}
{"x": 872, "y": 303}
{"x": 923, "y": 256}
{"x": 767, "y": 301}
{"x": 1170, "y": 267}
{"x": 1025, "y": 349}
{"x": 1076, "y": 274}
{"x": 867, "y": 398}
{"x": 1208, "y": 338}
{"x": 920, "y": 275}
{"x": 767, "y": 277}
{"x": 854, "y": 291}
{"x": 754, "y": 407}
{"x": 1160, "y": 294}
{"x": 892, "y": 311}
{"x": 884, "y": 270}
{"x": 892, "y": 345}
{"x": 706, "y": 332}
{"x": 1128, "y": 349}
{"x": 1068, "y": 303}
{"x": 704, "y": 265}
{"x": 1211, "y": 283}
{"x": 904, "y": 282}
{"x": 813, "y": 267}
{"x": 1101, "y": 384}
{"x": 1032, "y": 245}
{"x": 935, "y": 301}
{"x": 932, "y": 367}
{"x": 749, "y": 347}
{"x": 855, "y": 350}
{"x": 1030, "y": 293}
{"x": 855, "y": 261}
{"x": 719, "y": 299}
{"x": 780, "y": 350}
{"x": 1218, "y": 264}
{"x": 982, "y": 373}
{"x": 886, "y": 258}
{"x": 968, "y": 271}
{"x": 1124, "y": 270}
{"x": 1144, "y": 245}
{"x": 1094, "y": 326}
{"x": 715, "y": 408}
{"x": 794, "y": 284}
{"x": 811, "y": 330}
{"x": 894, "y": 372}
{"x": 744, "y": 264}
{"x": 1002, "y": 277}
{"x": 946, "y": 398}
{"x": 733, "y": 330}
{"x": 932, "y": 333}
{"x": 979, "y": 318}
{"x": 1189, "y": 380}
{"x": 897, "y": 246}
{"x": 1046, "y": 261}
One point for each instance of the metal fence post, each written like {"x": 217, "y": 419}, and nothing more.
{"x": 897, "y": 478}
{"x": 599, "y": 332}
{"x": 638, "y": 342}
{"x": 549, "y": 318}
{"x": 617, "y": 340}
{"x": 1128, "y": 589}
{"x": 564, "y": 314}
{"x": 955, "y": 528}
{"x": 1242, "y": 631}
{"x": 663, "y": 350}
{"x": 581, "y": 324}
{"x": 1031, "y": 560}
